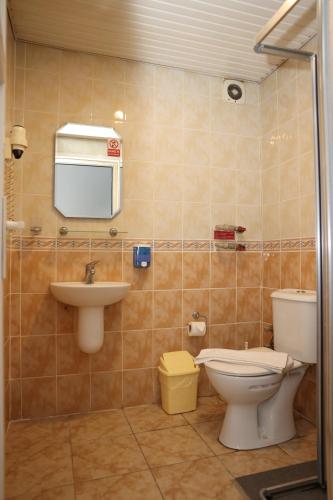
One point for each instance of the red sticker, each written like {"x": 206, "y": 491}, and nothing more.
{"x": 113, "y": 147}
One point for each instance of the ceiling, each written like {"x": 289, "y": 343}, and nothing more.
{"x": 214, "y": 37}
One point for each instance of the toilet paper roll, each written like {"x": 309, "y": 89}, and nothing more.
{"x": 196, "y": 329}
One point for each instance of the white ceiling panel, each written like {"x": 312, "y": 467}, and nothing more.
{"x": 215, "y": 37}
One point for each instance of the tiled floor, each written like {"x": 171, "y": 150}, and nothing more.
{"x": 138, "y": 453}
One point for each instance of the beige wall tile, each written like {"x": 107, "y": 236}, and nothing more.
{"x": 167, "y": 270}
{"x": 137, "y": 349}
{"x": 196, "y": 269}
{"x": 73, "y": 394}
{"x": 167, "y": 309}
{"x": 106, "y": 390}
{"x": 38, "y": 397}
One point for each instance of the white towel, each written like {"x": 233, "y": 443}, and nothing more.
{"x": 277, "y": 362}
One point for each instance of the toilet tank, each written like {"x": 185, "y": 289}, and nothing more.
{"x": 294, "y": 323}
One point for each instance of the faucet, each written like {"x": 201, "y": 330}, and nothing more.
{"x": 90, "y": 272}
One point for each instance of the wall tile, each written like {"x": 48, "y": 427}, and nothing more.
{"x": 223, "y": 270}
{"x": 109, "y": 357}
{"x": 71, "y": 265}
{"x": 137, "y": 310}
{"x": 113, "y": 317}
{"x": 167, "y": 309}
{"x": 223, "y": 306}
{"x": 165, "y": 340}
{"x": 70, "y": 359}
{"x": 308, "y": 270}
{"x": 267, "y": 313}
{"x": 271, "y": 270}
{"x": 66, "y": 317}
{"x": 223, "y": 336}
{"x": 38, "y": 397}
{"x": 249, "y": 269}
{"x": 106, "y": 390}
{"x": 250, "y": 333}
{"x": 73, "y": 394}
{"x": 167, "y": 270}
{"x": 38, "y": 271}
{"x": 290, "y": 270}
{"x": 196, "y": 269}
{"x": 248, "y": 304}
{"x": 38, "y": 314}
{"x": 109, "y": 267}
{"x": 137, "y": 349}
{"x": 138, "y": 387}
{"x": 195, "y": 300}
{"x": 38, "y": 356}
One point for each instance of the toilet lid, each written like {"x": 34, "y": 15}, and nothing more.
{"x": 238, "y": 370}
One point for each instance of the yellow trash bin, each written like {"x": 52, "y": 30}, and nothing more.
{"x": 179, "y": 382}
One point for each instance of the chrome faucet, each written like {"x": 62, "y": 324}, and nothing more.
{"x": 90, "y": 272}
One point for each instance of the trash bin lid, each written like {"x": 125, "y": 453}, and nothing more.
{"x": 178, "y": 362}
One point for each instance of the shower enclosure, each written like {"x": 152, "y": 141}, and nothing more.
{"x": 322, "y": 91}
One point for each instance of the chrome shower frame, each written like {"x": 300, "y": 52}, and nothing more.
{"x": 322, "y": 97}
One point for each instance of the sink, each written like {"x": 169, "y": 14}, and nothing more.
{"x": 90, "y": 299}
{"x": 102, "y": 293}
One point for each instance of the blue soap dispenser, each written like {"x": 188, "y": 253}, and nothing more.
{"x": 141, "y": 256}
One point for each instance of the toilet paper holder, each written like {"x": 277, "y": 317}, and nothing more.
{"x": 196, "y": 315}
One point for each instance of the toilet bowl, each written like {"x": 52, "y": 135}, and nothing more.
{"x": 259, "y": 403}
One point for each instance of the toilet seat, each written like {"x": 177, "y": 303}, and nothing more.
{"x": 235, "y": 370}
{"x": 241, "y": 370}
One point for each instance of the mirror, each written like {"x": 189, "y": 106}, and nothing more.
{"x": 88, "y": 171}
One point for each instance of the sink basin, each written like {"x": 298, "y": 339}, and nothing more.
{"x": 90, "y": 299}
{"x": 102, "y": 293}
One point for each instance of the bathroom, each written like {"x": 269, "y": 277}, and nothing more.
{"x": 83, "y": 424}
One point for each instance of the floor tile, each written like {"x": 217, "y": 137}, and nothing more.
{"x": 63, "y": 493}
{"x": 302, "y": 449}
{"x": 205, "y": 478}
{"x": 242, "y": 463}
{"x": 209, "y": 408}
{"x": 30, "y": 437}
{"x": 105, "y": 457}
{"x": 94, "y": 426}
{"x": 151, "y": 417}
{"x": 170, "y": 446}
{"x": 209, "y": 431}
{"x": 135, "y": 486}
{"x": 304, "y": 427}
{"x": 49, "y": 466}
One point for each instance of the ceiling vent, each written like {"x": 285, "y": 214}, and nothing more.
{"x": 234, "y": 91}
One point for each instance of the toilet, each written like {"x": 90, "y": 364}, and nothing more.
{"x": 260, "y": 402}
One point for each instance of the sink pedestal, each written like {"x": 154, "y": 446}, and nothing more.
{"x": 90, "y": 299}
{"x": 91, "y": 328}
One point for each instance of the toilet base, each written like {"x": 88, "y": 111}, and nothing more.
{"x": 240, "y": 430}
{"x": 252, "y": 426}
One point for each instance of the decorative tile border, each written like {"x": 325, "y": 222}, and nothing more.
{"x": 38, "y": 243}
{"x": 168, "y": 245}
{"x": 289, "y": 245}
{"x": 197, "y": 245}
{"x": 106, "y": 244}
{"x": 72, "y": 244}
{"x": 308, "y": 244}
{"x": 129, "y": 244}
{"x": 274, "y": 245}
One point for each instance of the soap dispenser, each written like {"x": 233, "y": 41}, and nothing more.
{"x": 141, "y": 256}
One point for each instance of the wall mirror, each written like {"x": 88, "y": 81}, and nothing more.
{"x": 87, "y": 171}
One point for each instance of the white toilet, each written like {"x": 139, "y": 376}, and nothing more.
{"x": 260, "y": 402}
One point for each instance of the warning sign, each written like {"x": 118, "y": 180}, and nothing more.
{"x": 113, "y": 147}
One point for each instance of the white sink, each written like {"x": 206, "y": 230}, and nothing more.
{"x": 102, "y": 293}
{"x": 90, "y": 299}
